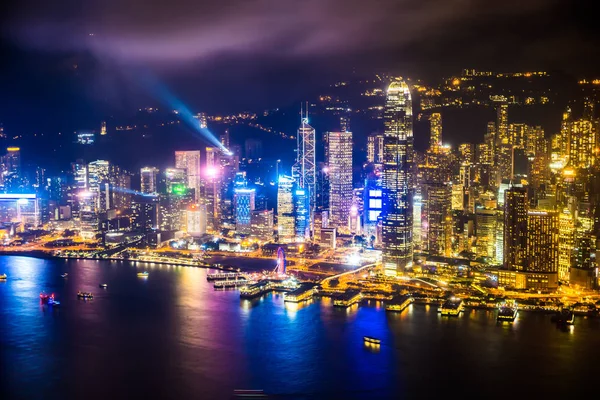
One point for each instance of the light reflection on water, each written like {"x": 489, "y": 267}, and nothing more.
{"x": 172, "y": 336}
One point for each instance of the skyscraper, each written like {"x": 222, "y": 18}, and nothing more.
{"x": 285, "y": 209}
{"x": 375, "y": 148}
{"x": 435, "y": 139}
{"x": 148, "y": 180}
{"x": 542, "y": 242}
{"x": 190, "y": 161}
{"x": 243, "y": 204}
{"x": 13, "y": 160}
{"x": 304, "y": 170}
{"x": 339, "y": 162}
{"x": 437, "y": 218}
{"x": 396, "y": 182}
{"x": 515, "y": 228}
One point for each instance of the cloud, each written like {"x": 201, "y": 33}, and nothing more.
{"x": 182, "y": 31}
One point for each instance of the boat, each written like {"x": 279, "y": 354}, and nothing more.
{"x": 103, "y": 285}
{"x": 143, "y": 274}
{"x": 566, "y": 316}
{"x": 53, "y": 302}
{"x": 3, "y": 277}
{"x": 85, "y": 295}
{"x": 452, "y": 307}
{"x": 64, "y": 275}
{"x": 372, "y": 340}
{"x": 508, "y": 311}
{"x": 44, "y": 298}
{"x": 399, "y": 304}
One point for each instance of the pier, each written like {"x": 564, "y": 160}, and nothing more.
{"x": 221, "y": 276}
{"x": 232, "y": 283}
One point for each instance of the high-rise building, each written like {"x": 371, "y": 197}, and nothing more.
{"x": 436, "y": 228}
{"x": 13, "y": 161}
{"x": 502, "y": 125}
{"x": 485, "y": 225}
{"x": 466, "y": 153}
{"x": 285, "y": 209}
{"x": 145, "y": 210}
{"x": 582, "y": 143}
{"x": 566, "y": 242}
{"x": 243, "y": 204}
{"x": 304, "y": 170}
{"x": 515, "y": 228}
{"x": 190, "y": 161}
{"x": 435, "y": 139}
{"x": 397, "y": 238}
{"x": 542, "y": 242}
{"x": 261, "y": 223}
{"x": 339, "y": 162}
{"x": 148, "y": 180}
{"x": 301, "y": 215}
{"x": 176, "y": 180}
{"x": 375, "y": 148}
{"x": 98, "y": 173}
{"x": 196, "y": 220}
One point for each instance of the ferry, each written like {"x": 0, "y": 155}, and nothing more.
{"x": 399, "y": 304}
{"x": 452, "y": 307}
{"x": 348, "y": 298}
{"x": 565, "y": 317}
{"x": 103, "y": 285}
{"x": 85, "y": 295}
{"x": 44, "y": 298}
{"x": 64, "y": 275}
{"x": 143, "y": 274}
{"x": 372, "y": 340}
{"x": 53, "y": 302}
{"x": 508, "y": 311}
{"x": 3, "y": 277}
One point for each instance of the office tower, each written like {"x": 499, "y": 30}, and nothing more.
{"x": 502, "y": 125}
{"x": 103, "y": 128}
{"x": 80, "y": 175}
{"x": 285, "y": 209}
{"x": 397, "y": 210}
{"x": 375, "y": 148}
{"x": 170, "y": 212}
{"x": 437, "y": 219}
{"x": 458, "y": 197}
{"x": 435, "y": 138}
{"x": 261, "y": 222}
{"x": 145, "y": 213}
{"x": 121, "y": 182}
{"x": 190, "y": 161}
{"x": 582, "y": 143}
{"x": 176, "y": 180}
{"x": 13, "y": 161}
{"x": 490, "y": 140}
{"x": 484, "y": 154}
{"x": 566, "y": 242}
{"x": 515, "y": 228}
{"x": 418, "y": 222}
{"x": 517, "y": 135}
{"x": 372, "y": 205}
{"x": 466, "y": 153}
{"x": 253, "y": 149}
{"x": 148, "y": 180}
{"x": 304, "y": 170}
{"x": 212, "y": 158}
{"x": 539, "y": 170}
{"x": 196, "y": 220}
{"x": 98, "y": 174}
{"x": 243, "y": 204}
{"x": 485, "y": 225}
{"x": 500, "y": 237}
{"x": 339, "y": 162}
{"x": 301, "y": 215}
{"x": 542, "y": 242}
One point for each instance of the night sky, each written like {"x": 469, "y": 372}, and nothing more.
{"x": 79, "y": 60}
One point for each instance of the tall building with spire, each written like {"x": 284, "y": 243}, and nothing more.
{"x": 304, "y": 170}
{"x": 397, "y": 213}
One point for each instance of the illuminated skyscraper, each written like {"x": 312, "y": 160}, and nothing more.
{"x": 396, "y": 182}
{"x": 437, "y": 219}
{"x": 339, "y": 162}
{"x": 103, "y": 128}
{"x": 375, "y": 148}
{"x": 542, "y": 242}
{"x": 190, "y": 161}
{"x": 582, "y": 143}
{"x": 244, "y": 204}
{"x": 176, "y": 180}
{"x": 285, "y": 209}
{"x": 13, "y": 160}
{"x": 196, "y": 220}
{"x": 301, "y": 215}
{"x": 467, "y": 153}
{"x": 485, "y": 225}
{"x": 435, "y": 140}
{"x": 502, "y": 125}
{"x": 515, "y": 228}
{"x": 304, "y": 170}
{"x": 148, "y": 180}
{"x": 566, "y": 242}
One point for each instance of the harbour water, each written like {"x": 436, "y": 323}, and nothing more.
{"x": 172, "y": 336}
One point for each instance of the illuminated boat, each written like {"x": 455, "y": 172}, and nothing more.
{"x": 372, "y": 340}
{"x": 3, "y": 277}
{"x": 53, "y": 302}
{"x": 452, "y": 307}
{"x": 143, "y": 274}
{"x": 103, "y": 285}
{"x": 565, "y": 317}
{"x": 508, "y": 311}
{"x": 64, "y": 275}
{"x": 85, "y": 295}
{"x": 44, "y": 298}
{"x": 398, "y": 305}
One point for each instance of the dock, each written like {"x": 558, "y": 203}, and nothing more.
{"x": 304, "y": 292}
{"x": 348, "y": 298}
{"x": 221, "y": 276}
{"x": 233, "y": 283}
{"x": 255, "y": 290}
